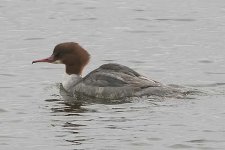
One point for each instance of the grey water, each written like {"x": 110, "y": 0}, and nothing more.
{"x": 172, "y": 41}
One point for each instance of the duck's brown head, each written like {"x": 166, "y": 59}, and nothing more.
{"x": 71, "y": 54}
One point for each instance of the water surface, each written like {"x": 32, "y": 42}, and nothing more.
{"x": 172, "y": 41}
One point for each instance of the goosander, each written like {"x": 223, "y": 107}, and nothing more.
{"x": 108, "y": 82}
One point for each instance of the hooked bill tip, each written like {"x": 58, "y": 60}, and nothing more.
{"x": 33, "y": 62}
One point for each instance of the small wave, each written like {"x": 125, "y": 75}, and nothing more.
{"x": 207, "y": 85}
{"x": 34, "y": 38}
{"x": 176, "y": 19}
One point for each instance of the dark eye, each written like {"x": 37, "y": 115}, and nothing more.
{"x": 58, "y": 55}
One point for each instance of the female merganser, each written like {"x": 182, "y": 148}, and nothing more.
{"x": 108, "y": 82}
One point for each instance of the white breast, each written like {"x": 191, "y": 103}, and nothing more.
{"x": 69, "y": 81}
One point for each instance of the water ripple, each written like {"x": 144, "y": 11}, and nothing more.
{"x": 176, "y": 19}
{"x": 7, "y": 74}
{"x": 83, "y": 19}
{"x": 218, "y": 73}
{"x": 2, "y": 110}
{"x": 34, "y": 38}
{"x": 180, "y": 146}
{"x": 206, "y": 141}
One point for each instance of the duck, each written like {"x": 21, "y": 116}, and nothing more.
{"x": 110, "y": 81}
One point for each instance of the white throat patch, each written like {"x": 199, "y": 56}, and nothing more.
{"x": 57, "y": 62}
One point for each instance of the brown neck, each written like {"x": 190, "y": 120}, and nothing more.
{"x": 74, "y": 69}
